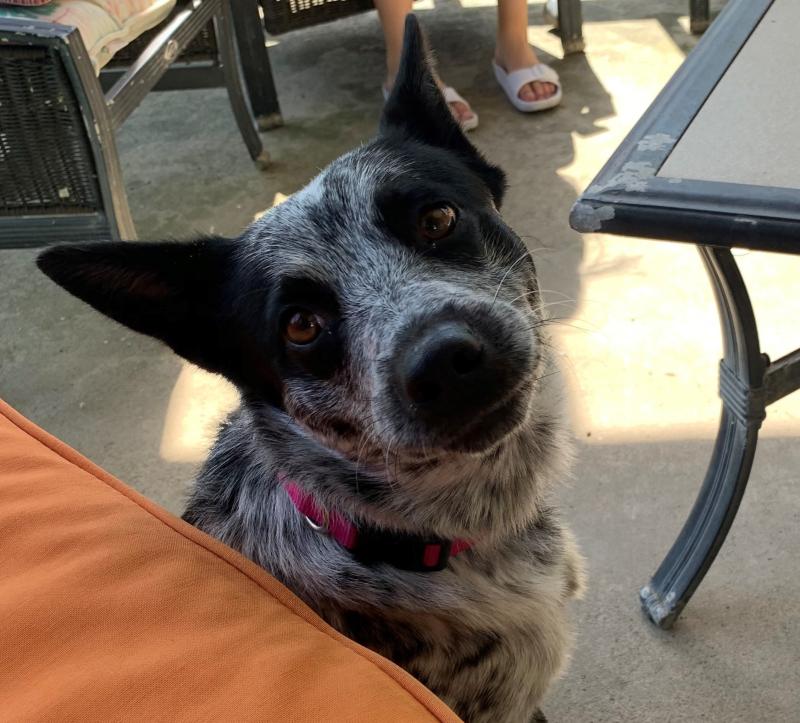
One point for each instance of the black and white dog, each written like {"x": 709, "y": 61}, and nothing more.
{"x": 400, "y": 429}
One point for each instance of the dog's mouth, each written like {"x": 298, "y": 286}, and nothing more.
{"x": 477, "y": 436}
{"x": 494, "y": 426}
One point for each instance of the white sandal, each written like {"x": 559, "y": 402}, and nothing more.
{"x": 512, "y": 84}
{"x": 451, "y": 95}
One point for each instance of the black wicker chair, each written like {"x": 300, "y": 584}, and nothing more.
{"x": 60, "y": 176}
{"x": 281, "y": 16}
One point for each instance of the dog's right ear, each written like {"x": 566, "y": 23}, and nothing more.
{"x": 416, "y": 109}
{"x": 181, "y": 293}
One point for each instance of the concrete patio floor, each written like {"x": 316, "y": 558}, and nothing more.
{"x": 637, "y": 326}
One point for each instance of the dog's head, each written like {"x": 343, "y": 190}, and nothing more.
{"x": 385, "y": 305}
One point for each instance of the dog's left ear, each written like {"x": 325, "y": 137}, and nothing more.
{"x": 416, "y": 109}
{"x": 181, "y": 293}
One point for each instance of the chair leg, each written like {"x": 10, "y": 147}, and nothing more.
{"x": 699, "y": 15}
{"x": 226, "y": 42}
{"x": 100, "y": 130}
{"x": 110, "y": 172}
{"x": 570, "y": 26}
{"x": 742, "y": 373}
{"x": 256, "y": 68}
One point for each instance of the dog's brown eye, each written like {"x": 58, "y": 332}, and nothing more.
{"x": 437, "y": 222}
{"x": 302, "y": 327}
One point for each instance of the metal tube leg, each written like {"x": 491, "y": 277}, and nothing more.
{"x": 570, "y": 26}
{"x": 116, "y": 201}
{"x": 256, "y": 68}
{"x": 699, "y": 15}
{"x": 99, "y": 123}
{"x": 742, "y": 390}
{"x": 226, "y": 42}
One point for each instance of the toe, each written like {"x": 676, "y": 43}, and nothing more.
{"x": 546, "y": 90}
{"x": 461, "y": 111}
{"x": 528, "y": 93}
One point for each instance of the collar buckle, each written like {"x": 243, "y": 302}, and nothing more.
{"x": 323, "y": 527}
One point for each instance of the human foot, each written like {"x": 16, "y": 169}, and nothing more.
{"x": 466, "y": 117}
{"x": 511, "y": 57}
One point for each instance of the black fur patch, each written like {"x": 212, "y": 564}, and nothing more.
{"x": 417, "y": 110}
{"x": 486, "y": 643}
{"x": 188, "y": 295}
{"x": 389, "y": 637}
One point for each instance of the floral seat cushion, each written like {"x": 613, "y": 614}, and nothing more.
{"x": 105, "y": 26}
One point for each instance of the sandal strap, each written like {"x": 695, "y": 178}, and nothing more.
{"x": 541, "y": 73}
{"x": 451, "y": 95}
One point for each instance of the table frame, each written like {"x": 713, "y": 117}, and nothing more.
{"x": 629, "y": 198}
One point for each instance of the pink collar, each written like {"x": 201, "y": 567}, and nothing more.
{"x": 371, "y": 545}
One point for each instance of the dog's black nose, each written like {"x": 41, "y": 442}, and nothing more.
{"x": 448, "y": 369}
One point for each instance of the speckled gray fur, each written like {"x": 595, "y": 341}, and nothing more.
{"x": 337, "y": 415}
{"x": 489, "y": 633}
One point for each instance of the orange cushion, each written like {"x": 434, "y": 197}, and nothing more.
{"x": 111, "y": 608}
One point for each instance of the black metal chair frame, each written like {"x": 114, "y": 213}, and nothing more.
{"x": 717, "y": 217}
{"x": 699, "y": 15}
{"x": 103, "y": 113}
{"x": 200, "y": 68}
{"x": 570, "y": 26}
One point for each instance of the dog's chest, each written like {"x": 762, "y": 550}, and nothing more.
{"x": 486, "y": 662}
{"x": 487, "y": 634}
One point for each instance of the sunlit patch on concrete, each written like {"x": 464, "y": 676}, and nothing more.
{"x": 198, "y": 403}
{"x": 276, "y": 200}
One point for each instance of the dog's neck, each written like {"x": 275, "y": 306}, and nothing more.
{"x": 369, "y": 544}
{"x": 457, "y": 496}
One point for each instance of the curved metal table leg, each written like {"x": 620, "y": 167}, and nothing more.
{"x": 742, "y": 373}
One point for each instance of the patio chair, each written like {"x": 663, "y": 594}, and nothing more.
{"x": 198, "y": 64}
{"x": 60, "y": 176}
{"x": 699, "y": 15}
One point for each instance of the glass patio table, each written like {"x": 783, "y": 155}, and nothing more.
{"x": 715, "y": 161}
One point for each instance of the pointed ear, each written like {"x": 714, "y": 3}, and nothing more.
{"x": 180, "y": 293}
{"x": 416, "y": 109}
